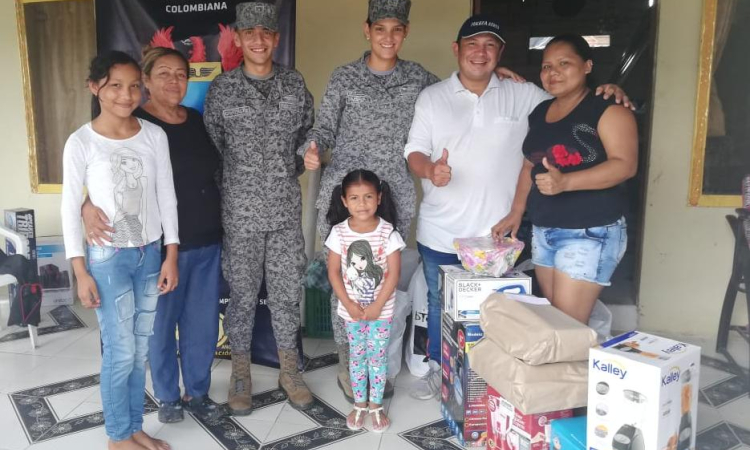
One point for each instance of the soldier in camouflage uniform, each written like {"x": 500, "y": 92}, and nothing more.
{"x": 257, "y": 115}
{"x": 364, "y": 118}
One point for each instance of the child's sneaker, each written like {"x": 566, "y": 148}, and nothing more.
{"x": 171, "y": 412}
{"x": 203, "y": 407}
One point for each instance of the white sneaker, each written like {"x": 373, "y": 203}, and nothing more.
{"x": 429, "y": 385}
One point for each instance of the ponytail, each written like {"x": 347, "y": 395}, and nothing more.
{"x": 387, "y": 207}
{"x": 337, "y": 212}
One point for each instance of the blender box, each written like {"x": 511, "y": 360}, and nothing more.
{"x": 567, "y": 434}
{"x": 462, "y": 291}
{"x": 463, "y": 393}
{"x": 642, "y": 394}
{"x": 510, "y": 429}
{"x": 54, "y": 271}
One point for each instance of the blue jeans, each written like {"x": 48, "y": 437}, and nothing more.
{"x": 194, "y": 308}
{"x": 588, "y": 254}
{"x": 431, "y": 259}
{"x": 127, "y": 282}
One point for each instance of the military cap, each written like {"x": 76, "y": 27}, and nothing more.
{"x": 252, "y": 14}
{"x": 389, "y": 9}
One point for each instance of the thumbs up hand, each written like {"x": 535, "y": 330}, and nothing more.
{"x": 440, "y": 172}
{"x": 552, "y": 182}
{"x": 312, "y": 157}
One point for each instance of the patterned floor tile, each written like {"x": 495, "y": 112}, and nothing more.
{"x": 718, "y": 437}
{"x": 726, "y": 391}
{"x": 63, "y": 317}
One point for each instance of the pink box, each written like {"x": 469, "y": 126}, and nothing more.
{"x": 509, "y": 429}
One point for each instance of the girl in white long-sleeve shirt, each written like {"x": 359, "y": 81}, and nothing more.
{"x": 124, "y": 163}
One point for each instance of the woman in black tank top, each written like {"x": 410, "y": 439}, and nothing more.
{"x": 579, "y": 150}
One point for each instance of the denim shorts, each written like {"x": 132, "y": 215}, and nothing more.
{"x": 588, "y": 254}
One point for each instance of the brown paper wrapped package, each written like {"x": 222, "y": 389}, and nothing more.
{"x": 531, "y": 389}
{"x": 535, "y": 334}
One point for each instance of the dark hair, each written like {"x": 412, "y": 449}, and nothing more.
{"x": 580, "y": 47}
{"x": 338, "y": 213}
{"x": 99, "y": 70}
{"x": 152, "y": 54}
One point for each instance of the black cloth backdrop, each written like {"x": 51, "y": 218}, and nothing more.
{"x": 128, "y": 25}
{"x": 201, "y": 30}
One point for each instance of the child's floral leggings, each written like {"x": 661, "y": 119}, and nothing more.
{"x": 368, "y": 342}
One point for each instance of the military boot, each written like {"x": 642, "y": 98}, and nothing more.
{"x": 290, "y": 380}
{"x": 240, "y": 401}
{"x": 342, "y": 377}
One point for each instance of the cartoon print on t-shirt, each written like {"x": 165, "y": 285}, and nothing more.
{"x": 130, "y": 199}
{"x": 362, "y": 274}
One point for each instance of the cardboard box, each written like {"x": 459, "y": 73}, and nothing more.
{"x": 642, "y": 394}
{"x": 567, "y": 434}
{"x": 510, "y": 429}
{"x": 23, "y": 222}
{"x": 463, "y": 393}
{"x": 462, "y": 292}
{"x": 54, "y": 271}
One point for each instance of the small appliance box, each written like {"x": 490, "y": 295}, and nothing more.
{"x": 54, "y": 271}
{"x": 510, "y": 429}
{"x": 23, "y": 222}
{"x": 643, "y": 394}
{"x": 567, "y": 434}
{"x": 463, "y": 393}
{"x": 462, "y": 291}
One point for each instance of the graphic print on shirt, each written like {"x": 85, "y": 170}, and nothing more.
{"x": 362, "y": 273}
{"x": 565, "y": 156}
{"x": 130, "y": 198}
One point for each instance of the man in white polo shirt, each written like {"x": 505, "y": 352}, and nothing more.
{"x": 465, "y": 145}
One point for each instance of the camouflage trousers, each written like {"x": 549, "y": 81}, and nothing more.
{"x": 281, "y": 254}
{"x": 339, "y": 325}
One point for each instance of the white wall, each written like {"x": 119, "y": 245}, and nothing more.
{"x": 687, "y": 251}
{"x": 15, "y": 185}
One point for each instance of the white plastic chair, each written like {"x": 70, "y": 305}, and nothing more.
{"x": 21, "y": 244}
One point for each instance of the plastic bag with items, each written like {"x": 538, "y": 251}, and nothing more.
{"x": 316, "y": 275}
{"x": 486, "y": 256}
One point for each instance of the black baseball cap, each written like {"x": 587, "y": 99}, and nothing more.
{"x": 480, "y": 24}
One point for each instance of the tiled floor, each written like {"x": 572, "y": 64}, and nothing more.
{"x": 49, "y": 399}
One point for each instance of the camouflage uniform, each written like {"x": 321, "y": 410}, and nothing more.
{"x": 365, "y": 119}
{"x": 261, "y": 196}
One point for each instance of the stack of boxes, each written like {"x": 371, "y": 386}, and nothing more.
{"x": 533, "y": 358}
{"x": 464, "y": 393}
